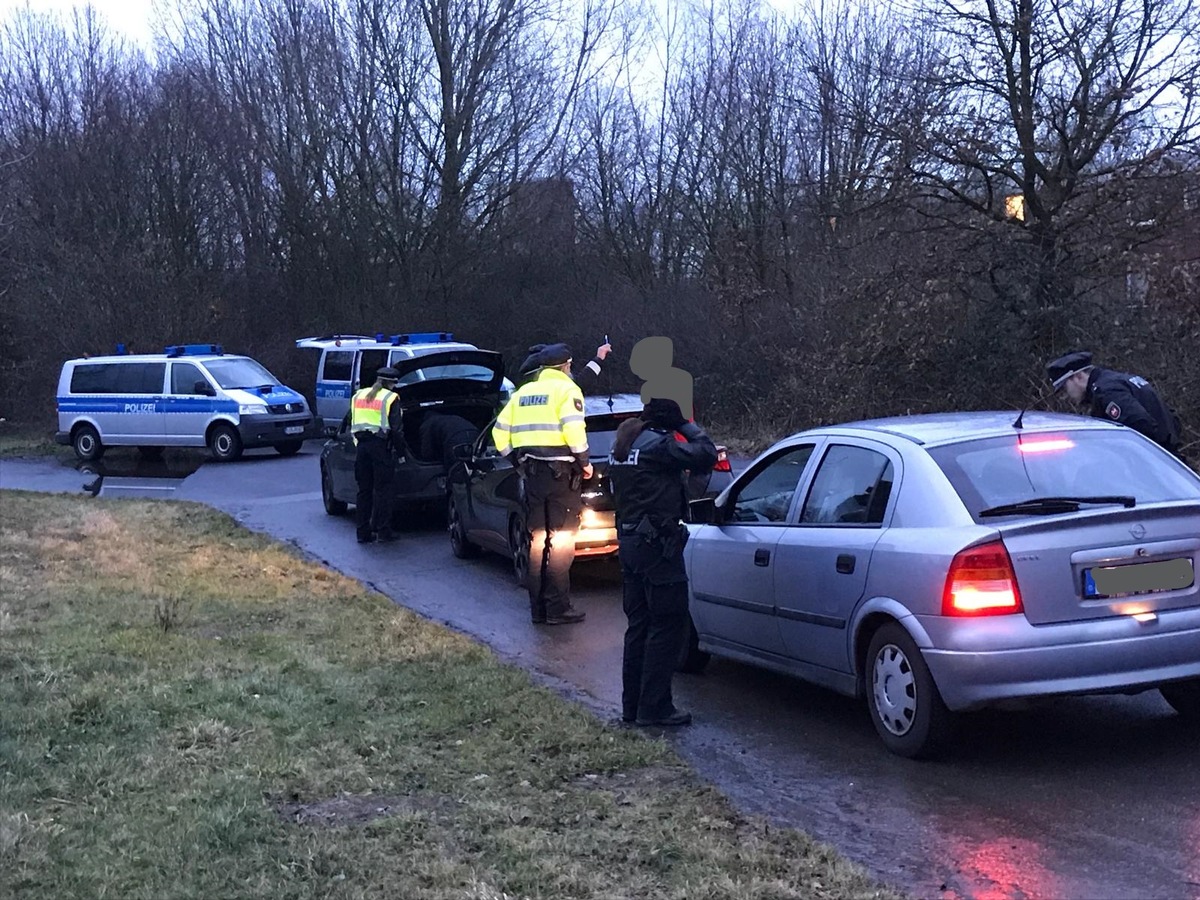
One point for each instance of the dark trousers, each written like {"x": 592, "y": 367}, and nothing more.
{"x": 375, "y": 473}
{"x": 552, "y": 517}
{"x": 656, "y": 605}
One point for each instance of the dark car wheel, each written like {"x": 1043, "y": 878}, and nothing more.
{"x": 289, "y": 448}
{"x": 518, "y": 547}
{"x": 333, "y": 506}
{"x": 86, "y": 443}
{"x": 1184, "y": 696}
{"x": 692, "y": 660}
{"x": 459, "y": 545}
{"x": 224, "y": 443}
{"x": 906, "y": 708}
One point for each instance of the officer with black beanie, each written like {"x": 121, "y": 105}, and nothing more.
{"x": 647, "y": 466}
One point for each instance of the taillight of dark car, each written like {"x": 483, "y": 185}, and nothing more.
{"x": 722, "y": 461}
{"x": 981, "y": 582}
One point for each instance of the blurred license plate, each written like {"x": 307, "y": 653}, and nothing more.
{"x": 1139, "y": 578}
{"x": 293, "y": 429}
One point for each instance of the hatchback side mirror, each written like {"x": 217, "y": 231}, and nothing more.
{"x": 703, "y": 511}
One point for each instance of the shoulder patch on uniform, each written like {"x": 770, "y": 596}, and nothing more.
{"x": 578, "y": 405}
{"x": 1112, "y": 411}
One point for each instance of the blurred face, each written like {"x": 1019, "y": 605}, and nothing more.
{"x": 1076, "y": 386}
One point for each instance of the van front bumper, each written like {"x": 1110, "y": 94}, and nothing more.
{"x": 268, "y": 430}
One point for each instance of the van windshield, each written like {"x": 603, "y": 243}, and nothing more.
{"x": 239, "y": 372}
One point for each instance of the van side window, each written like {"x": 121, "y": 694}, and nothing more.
{"x": 338, "y": 364}
{"x": 94, "y": 379}
{"x": 140, "y": 378}
{"x": 184, "y": 377}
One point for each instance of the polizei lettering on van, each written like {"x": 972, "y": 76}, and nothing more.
{"x": 139, "y": 408}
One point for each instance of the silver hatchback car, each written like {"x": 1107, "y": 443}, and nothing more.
{"x": 942, "y": 563}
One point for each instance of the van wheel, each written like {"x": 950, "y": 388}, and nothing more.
{"x": 224, "y": 442}
{"x": 460, "y": 546}
{"x": 518, "y": 547}
{"x": 692, "y": 660}
{"x": 333, "y": 506}
{"x": 289, "y": 448}
{"x": 150, "y": 452}
{"x": 87, "y": 443}
{"x": 905, "y": 706}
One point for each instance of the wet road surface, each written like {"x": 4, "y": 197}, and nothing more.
{"x": 1083, "y": 798}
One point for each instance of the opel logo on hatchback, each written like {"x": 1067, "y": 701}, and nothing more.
{"x": 1138, "y": 531}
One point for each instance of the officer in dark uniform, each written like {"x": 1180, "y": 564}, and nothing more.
{"x": 1118, "y": 397}
{"x": 440, "y": 433}
{"x": 376, "y": 423}
{"x": 586, "y": 377}
{"x": 647, "y": 466}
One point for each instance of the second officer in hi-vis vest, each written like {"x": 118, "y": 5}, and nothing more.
{"x": 541, "y": 430}
{"x": 377, "y": 426}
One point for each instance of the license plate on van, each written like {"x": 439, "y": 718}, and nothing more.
{"x": 294, "y": 429}
{"x": 1139, "y": 578}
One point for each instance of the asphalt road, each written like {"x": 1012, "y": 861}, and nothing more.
{"x": 1081, "y": 798}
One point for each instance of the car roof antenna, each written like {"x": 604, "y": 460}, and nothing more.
{"x": 1041, "y": 398}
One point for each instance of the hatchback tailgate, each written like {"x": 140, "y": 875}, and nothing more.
{"x": 1107, "y": 562}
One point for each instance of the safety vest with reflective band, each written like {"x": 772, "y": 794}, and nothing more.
{"x": 544, "y": 420}
{"x": 369, "y": 410}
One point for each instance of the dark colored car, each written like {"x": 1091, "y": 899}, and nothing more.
{"x": 485, "y": 510}
{"x": 466, "y": 383}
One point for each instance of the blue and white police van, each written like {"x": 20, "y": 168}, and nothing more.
{"x": 191, "y": 395}
{"x": 350, "y": 361}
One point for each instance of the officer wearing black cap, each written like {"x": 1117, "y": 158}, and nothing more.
{"x": 376, "y": 423}
{"x": 647, "y": 466}
{"x": 585, "y": 377}
{"x": 541, "y": 429}
{"x": 1116, "y": 396}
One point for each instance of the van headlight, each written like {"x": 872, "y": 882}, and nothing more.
{"x": 252, "y": 409}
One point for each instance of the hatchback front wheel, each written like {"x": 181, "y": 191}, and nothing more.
{"x": 906, "y": 708}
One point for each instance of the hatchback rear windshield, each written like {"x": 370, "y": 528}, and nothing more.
{"x": 602, "y": 431}
{"x": 457, "y": 370}
{"x": 1012, "y": 469}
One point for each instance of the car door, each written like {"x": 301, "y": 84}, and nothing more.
{"x": 492, "y": 492}
{"x": 731, "y": 562}
{"x": 341, "y": 463}
{"x": 822, "y": 559}
{"x": 143, "y": 403}
{"x": 188, "y": 409}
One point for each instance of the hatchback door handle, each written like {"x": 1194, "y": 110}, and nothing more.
{"x": 762, "y": 557}
{"x": 845, "y": 564}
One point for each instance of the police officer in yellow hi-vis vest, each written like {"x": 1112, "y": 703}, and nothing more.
{"x": 377, "y": 425}
{"x": 541, "y": 430}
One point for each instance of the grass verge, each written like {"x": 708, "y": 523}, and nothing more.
{"x": 187, "y": 709}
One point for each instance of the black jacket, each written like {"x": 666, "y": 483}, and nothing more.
{"x": 440, "y": 433}
{"x": 650, "y": 484}
{"x": 1130, "y": 400}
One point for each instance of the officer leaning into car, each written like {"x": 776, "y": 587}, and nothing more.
{"x": 648, "y": 467}
{"x": 376, "y": 423}
{"x": 1118, "y": 397}
{"x": 541, "y": 430}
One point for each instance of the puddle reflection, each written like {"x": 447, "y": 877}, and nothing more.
{"x": 135, "y": 465}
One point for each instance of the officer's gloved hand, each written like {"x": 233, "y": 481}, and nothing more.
{"x": 664, "y": 414}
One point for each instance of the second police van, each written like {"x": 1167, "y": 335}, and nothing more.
{"x": 191, "y": 395}
{"x": 350, "y": 361}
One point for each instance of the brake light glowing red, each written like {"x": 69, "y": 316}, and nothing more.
{"x": 1046, "y": 446}
{"x": 982, "y": 582}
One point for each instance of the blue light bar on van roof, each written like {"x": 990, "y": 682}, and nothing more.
{"x": 193, "y": 349}
{"x": 423, "y": 337}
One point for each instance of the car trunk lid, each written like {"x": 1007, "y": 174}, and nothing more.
{"x": 1106, "y": 562}
{"x": 450, "y": 375}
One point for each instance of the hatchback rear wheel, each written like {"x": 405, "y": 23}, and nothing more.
{"x": 906, "y": 708}
{"x": 1184, "y": 696}
{"x": 518, "y": 547}
{"x": 333, "y": 506}
{"x": 459, "y": 545}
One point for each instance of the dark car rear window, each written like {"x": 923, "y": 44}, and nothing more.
{"x": 1011, "y": 469}
{"x": 602, "y": 431}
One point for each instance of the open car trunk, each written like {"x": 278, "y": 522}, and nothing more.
{"x": 479, "y": 412}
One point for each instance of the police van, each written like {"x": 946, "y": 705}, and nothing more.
{"x": 191, "y": 395}
{"x": 350, "y": 361}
